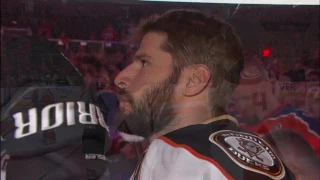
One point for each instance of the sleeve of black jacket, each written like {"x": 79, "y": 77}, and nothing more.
{"x": 108, "y": 102}
{"x": 95, "y": 137}
{"x": 53, "y": 144}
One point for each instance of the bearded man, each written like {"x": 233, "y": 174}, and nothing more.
{"x": 181, "y": 78}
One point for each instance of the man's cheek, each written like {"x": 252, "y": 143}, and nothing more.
{"x": 136, "y": 97}
{"x": 137, "y": 88}
{"x": 146, "y": 78}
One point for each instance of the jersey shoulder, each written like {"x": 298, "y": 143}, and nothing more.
{"x": 238, "y": 154}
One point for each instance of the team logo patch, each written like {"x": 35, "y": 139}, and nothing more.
{"x": 249, "y": 152}
{"x": 251, "y": 72}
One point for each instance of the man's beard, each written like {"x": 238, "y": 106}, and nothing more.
{"x": 154, "y": 111}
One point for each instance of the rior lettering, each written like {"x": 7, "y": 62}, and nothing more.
{"x": 83, "y": 114}
{"x": 45, "y": 116}
{"x": 94, "y": 116}
{"x": 70, "y": 114}
{"x": 32, "y": 124}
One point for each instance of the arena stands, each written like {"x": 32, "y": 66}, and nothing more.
{"x": 94, "y": 39}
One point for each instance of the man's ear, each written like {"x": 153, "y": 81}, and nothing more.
{"x": 198, "y": 78}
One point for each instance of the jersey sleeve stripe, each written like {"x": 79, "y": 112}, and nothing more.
{"x": 199, "y": 156}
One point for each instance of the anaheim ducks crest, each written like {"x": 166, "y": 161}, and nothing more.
{"x": 249, "y": 152}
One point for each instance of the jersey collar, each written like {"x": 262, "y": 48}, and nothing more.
{"x": 223, "y": 117}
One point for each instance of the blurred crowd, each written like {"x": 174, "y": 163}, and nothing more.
{"x": 298, "y": 86}
{"x": 48, "y": 24}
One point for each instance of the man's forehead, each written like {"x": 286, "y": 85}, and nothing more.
{"x": 151, "y": 47}
{"x": 141, "y": 55}
{"x": 152, "y": 40}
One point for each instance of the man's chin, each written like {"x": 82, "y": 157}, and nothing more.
{"x": 138, "y": 125}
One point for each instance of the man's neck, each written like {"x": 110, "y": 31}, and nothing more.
{"x": 195, "y": 113}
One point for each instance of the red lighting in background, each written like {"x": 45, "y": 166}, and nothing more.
{"x": 266, "y": 52}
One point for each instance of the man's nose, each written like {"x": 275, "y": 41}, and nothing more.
{"x": 124, "y": 78}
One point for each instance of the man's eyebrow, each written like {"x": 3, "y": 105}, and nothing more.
{"x": 141, "y": 56}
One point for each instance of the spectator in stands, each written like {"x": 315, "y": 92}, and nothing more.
{"x": 285, "y": 77}
{"x": 64, "y": 38}
{"x": 109, "y": 34}
{"x": 79, "y": 65}
{"x": 310, "y": 60}
{"x": 114, "y": 71}
{"x": 132, "y": 26}
{"x": 117, "y": 59}
{"x": 44, "y": 29}
{"x": 79, "y": 55}
{"x": 129, "y": 53}
{"x": 313, "y": 75}
{"x": 104, "y": 82}
{"x": 313, "y": 78}
{"x": 86, "y": 66}
{"x": 255, "y": 99}
{"x": 123, "y": 36}
{"x": 25, "y": 20}
{"x": 313, "y": 101}
{"x": 93, "y": 36}
{"x": 274, "y": 66}
{"x": 295, "y": 152}
{"x": 298, "y": 73}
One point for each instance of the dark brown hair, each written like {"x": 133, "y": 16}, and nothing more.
{"x": 196, "y": 38}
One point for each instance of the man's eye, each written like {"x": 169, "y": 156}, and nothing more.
{"x": 143, "y": 62}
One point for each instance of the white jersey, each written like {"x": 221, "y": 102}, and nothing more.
{"x": 210, "y": 151}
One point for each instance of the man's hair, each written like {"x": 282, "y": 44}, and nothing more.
{"x": 196, "y": 38}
